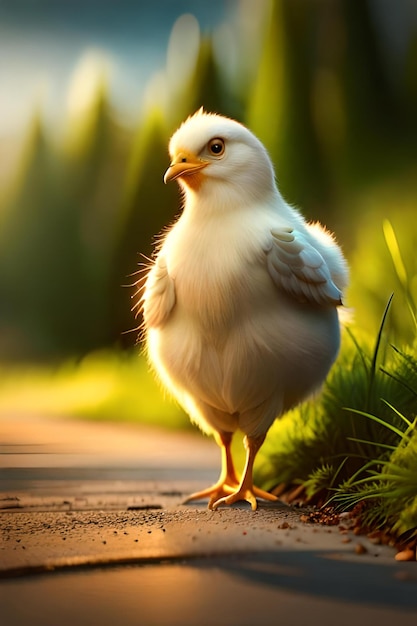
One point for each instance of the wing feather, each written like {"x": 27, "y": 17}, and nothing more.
{"x": 298, "y": 268}
{"x": 159, "y": 295}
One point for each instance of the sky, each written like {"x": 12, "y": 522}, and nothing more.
{"x": 43, "y": 42}
{"x": 46, "y": 44}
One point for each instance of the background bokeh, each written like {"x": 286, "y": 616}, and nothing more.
{"x": 90, "y": 94}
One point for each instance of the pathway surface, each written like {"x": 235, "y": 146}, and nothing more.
{"x": 93, "y": 531}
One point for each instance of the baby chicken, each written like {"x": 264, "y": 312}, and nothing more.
{"x": 240, "y": 305}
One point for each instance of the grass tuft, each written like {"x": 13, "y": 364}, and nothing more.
{"x": 356, "y": 444}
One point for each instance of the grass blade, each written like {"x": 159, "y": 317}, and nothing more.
{"x": 372, "y": 372}
{"x": 374, "y": 418}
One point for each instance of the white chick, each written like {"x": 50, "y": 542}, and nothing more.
{"x": 240, "y": 305}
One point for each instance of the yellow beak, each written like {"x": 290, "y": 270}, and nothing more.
{"x": 184, "y": 164}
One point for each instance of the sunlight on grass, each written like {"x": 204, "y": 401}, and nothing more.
{"x": 103, "y": 386}
{"x": 383, "y": 259}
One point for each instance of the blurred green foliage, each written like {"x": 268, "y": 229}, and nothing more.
{"x": 104, "y": 385}
{"x": 317, "y": 82}
{"x": 313, "y": 81}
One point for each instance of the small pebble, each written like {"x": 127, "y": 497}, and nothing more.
{"x": 360, "y": 549}
{"x": 406, "y": 555}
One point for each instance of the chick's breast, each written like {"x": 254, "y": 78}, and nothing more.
{"x": 234, "y": 341}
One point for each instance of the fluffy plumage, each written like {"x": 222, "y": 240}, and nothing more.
{"x": 240, "y": 306}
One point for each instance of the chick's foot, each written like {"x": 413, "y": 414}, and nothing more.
{"x": 216, "y": 492}
{"x": 248, "y": 494}
{"x": 246, "y": 490}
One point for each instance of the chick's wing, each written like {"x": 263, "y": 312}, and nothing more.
{"x": 159, "y": 297}
{"x": 298, "y": 268}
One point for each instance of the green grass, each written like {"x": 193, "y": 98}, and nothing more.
{"x": 357, "y": 442}
{"x": 102, "y": 386}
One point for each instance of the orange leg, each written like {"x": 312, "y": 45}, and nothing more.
{"x": 246, "y": 489}
{"x": 228, "y": 481}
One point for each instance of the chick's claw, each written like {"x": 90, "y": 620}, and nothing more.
{"x": 237, "y": 496}
{"x": 216, "y": 492}
{"x": 246, "y": 494}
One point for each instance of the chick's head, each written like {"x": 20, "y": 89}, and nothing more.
{"x": 210, "y": 153}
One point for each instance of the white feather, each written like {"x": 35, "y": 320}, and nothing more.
{"x": 240, "y": 305}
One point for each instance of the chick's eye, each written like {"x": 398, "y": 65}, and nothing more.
{"x": 216, "y": 147}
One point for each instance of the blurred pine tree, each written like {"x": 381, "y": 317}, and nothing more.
{"x": 146, "y": 207}
{"x": 206, "y": 87}
{"x": 56, "y": 239}
{"x": 40, "y": 287}
{"x": 410, "y": 88}
{"x": 279, "y": 107}
{"x": 375, "y": 124}
{"x": 97, "y": 158}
